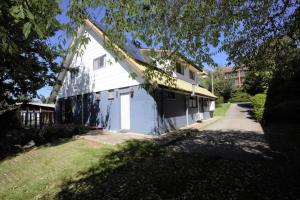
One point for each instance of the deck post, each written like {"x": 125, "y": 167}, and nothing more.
{"x": 35, "y": 119}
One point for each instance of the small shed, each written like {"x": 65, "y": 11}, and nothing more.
{"x": 37, "y": 115}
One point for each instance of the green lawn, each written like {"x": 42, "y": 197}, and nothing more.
{"x": 40, "y": 171}
{"x": 145, "y": 170}
{"x": 222, "y": 109}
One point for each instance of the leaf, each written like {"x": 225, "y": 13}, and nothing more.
{"x": 39, "y": 31}
{"x": 17, "y": 12}
{"x": 29, "y": 14}
{"x": 26, "y": 29}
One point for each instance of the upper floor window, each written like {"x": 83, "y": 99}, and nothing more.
{"x": 179, "y": 68}
{"x": 74, "y": 73}
{"x": 192, "y": 75}
{"x": 99, "y": 62}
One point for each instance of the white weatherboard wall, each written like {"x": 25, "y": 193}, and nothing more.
{"x": 115, "y": 74}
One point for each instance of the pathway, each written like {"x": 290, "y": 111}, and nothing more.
{"x": 235, "y": 136}
{"x": 237, "y": 119}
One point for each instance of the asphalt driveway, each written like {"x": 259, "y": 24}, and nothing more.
{"x": 236, "y": 136}
{"x": 237, "y": 118}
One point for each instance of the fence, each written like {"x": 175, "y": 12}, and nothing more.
{"x": 34, "y": 119}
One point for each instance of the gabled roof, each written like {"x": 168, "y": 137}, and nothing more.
{"x": 135, "y": 59}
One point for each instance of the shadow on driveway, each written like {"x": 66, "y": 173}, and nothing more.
{"x": 190, "y": 165}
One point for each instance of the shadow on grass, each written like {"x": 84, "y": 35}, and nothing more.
{"x": 189, "y": 165}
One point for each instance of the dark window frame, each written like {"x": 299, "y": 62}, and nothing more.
{"x": 192, "y": 102}
{"x": 192, "y": 75}
{"x": 74, "y": 73}
{"x": 179, "y": 68}
{"x": 101, "y": 62}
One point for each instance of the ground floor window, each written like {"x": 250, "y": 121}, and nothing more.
{"x": 66, "y": 114}
{"x": 193, "y": 102}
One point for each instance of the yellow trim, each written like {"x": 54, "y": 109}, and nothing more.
{"x": 139, "y": 68}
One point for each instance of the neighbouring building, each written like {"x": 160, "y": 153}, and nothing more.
{"x": 37, "y": 115}
{"x": 101, "y": 93}
{"x": 236, "y": 74}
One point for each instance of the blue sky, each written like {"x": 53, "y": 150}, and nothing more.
{"x": 219, "y": 58}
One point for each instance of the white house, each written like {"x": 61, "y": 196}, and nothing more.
{"x": 102, "y": 93}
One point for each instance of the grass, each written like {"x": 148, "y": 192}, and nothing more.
{"x": 145, "y": 170}
{"x": 41, "y": 171}
{"x": 221, "y": 109}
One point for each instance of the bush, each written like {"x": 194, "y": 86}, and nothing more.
{"x": 13, "y": 140}
{"x": 289, "y": 109}
{"x": 258, "y": 102}
{"x": 240, "y": 96}
{"x": 52, "y": 133}
{"x": 219, "y": 101}
{"x": 9, "y": 119}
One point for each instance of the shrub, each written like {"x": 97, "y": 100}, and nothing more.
{"x": 258, "y": 102}
{"x": 289, "y": 109}
{"x": 240, "y": 97}
{"x": 53, "y": 133}
{"x": 219, "y": 101}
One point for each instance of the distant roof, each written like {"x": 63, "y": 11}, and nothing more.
{"x": 230, "y": 69}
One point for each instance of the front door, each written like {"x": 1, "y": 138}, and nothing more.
{"x": 125, "y": 111}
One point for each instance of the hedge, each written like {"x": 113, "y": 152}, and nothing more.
{"x": 13, "y": 140}
{"x": 258, "y": 101}
{"x": 240, "y": 97}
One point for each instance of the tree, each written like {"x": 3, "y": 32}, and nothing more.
{"x": 27, "y": 60}
{"x": 223, "y": 87}
{"x": 275, "y": 66}
{"x": 191, "y": 27}
{"x": 257, "y": 81}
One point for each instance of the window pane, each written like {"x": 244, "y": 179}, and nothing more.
{"x": 179, "y": 69}
{"x": 95, "y": 64}
{"x": 99, "y": 62}
{"x": 192, "y": 75}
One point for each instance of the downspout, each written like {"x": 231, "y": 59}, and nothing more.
{"x": 82, "y": 109}
{"x": 239, "y": 78}
{"x": 198, "y": 106}
{"x": 187, "y": 110}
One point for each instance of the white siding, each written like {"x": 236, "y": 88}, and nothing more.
{"x": 114, "y": 75}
